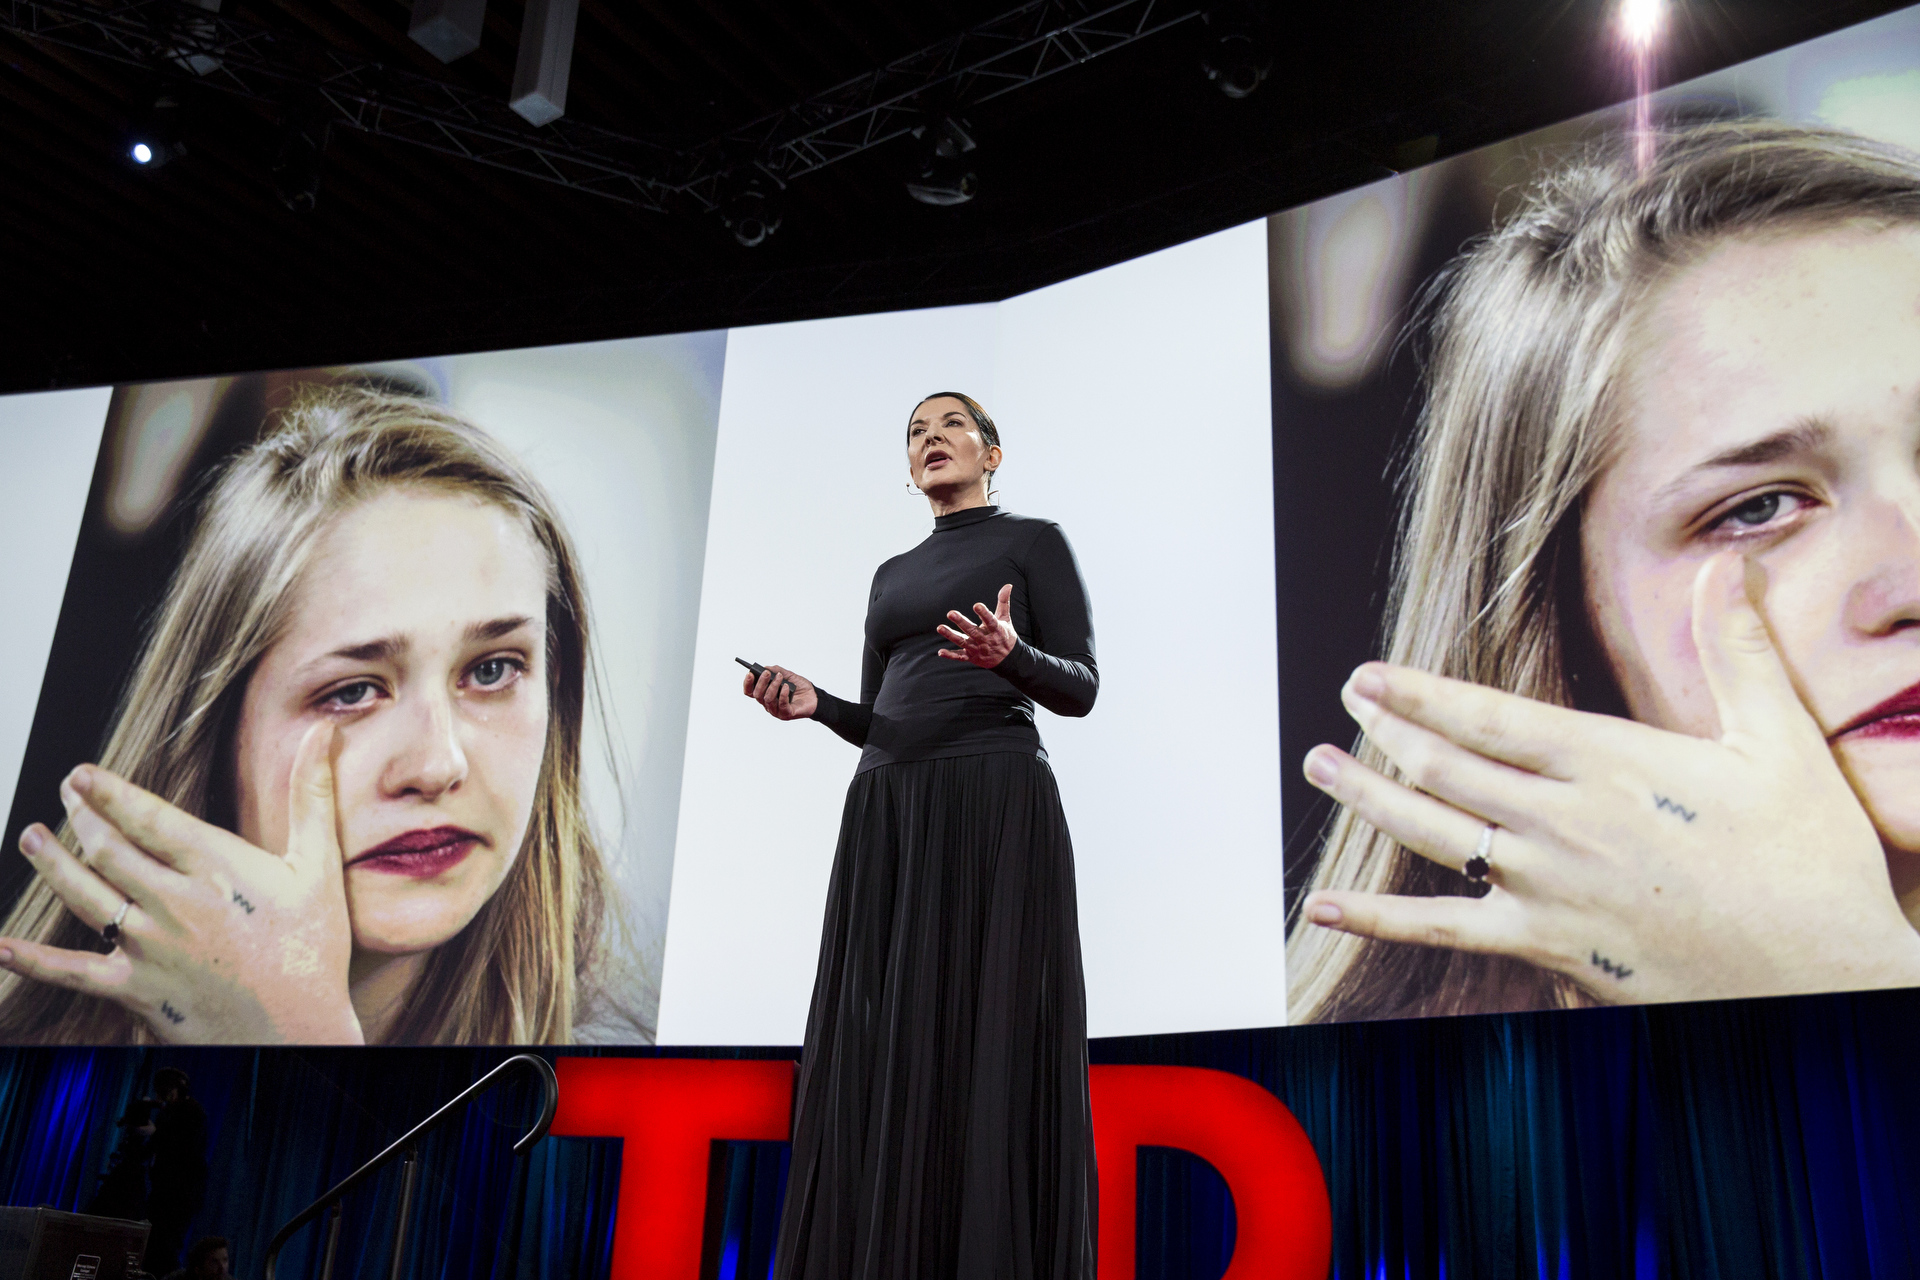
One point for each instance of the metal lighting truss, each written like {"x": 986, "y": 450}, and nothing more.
{"x": 1015, "y": 49}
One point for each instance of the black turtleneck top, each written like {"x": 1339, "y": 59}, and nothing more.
{"x": 915, "y": 704}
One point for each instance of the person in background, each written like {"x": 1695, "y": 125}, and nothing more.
{"x": 211, "y": 1258}
{"x": 179, "y": 1172}
{"x": 123, "y": 1187}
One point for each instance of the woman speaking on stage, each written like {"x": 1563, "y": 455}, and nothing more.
{"x": 941, "y": 1126}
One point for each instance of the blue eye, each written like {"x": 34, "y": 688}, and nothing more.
{"x": 349, "y": 696}
{"x": 1774, "y": 511}
{"x": 495, "y": 673}
{"x": 1757, "y": 511}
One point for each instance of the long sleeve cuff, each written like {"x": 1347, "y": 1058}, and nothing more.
{"x": 1064, "y": 685}
{"x": 851, "y": 720}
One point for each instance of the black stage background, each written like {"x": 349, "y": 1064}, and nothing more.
{"x": 1766, "y": 1138}
{"x": 197, "y": 269}
{"x": 1771, "y": 1138}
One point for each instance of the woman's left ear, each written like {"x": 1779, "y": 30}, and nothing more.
{"x": 993, "y": 458}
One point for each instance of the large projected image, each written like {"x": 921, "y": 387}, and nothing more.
{"x": 1561, "y": 495}
{"x": 364, "y": 710}
{"x": 381, "y": 578}
{"x": 1132, "y": 407}
{"x": 1647, "y": 720}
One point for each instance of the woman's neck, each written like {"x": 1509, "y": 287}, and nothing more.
{"x": 944, "y": 505}
{"x": 378, "y": 985}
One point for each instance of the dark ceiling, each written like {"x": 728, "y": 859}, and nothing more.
{"x": 117, "y": 275}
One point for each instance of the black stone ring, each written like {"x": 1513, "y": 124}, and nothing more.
{"x": 111, "y": 934}
{"x": 1478, "y": 867}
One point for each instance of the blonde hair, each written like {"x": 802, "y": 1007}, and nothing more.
{"x": 523, "y": 969}
{"x": 1531, "y": 342}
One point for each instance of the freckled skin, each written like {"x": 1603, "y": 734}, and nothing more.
{"x": 443, "y": 732}
{"x": 1818, "y": 326}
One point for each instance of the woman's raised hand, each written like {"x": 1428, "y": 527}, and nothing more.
{"x": 989, "y": 643}
{"x": 1643, "y": 865}
{"x": 785, "y": 695}
{"x": 219, "y": 941}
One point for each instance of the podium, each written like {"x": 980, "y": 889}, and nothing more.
{"x": 49, "y": 1244}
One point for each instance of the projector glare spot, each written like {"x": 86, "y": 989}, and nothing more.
{"x": 156, "y": 135}
{"x": 1641, "y": 20}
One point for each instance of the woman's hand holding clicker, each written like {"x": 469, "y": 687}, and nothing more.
{"x": 218, "y": 941}
{"x": 1642, "y": 864}
{"x": 785, "y": 695}
{"x": 988, "y": 643}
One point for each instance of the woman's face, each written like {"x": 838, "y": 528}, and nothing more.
{"x": 1775, "y": 408}
{"x": 944, "y": 448}
{"x": 419, "y": 628}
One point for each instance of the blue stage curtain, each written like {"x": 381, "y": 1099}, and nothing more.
{"x": 57, "y": 1110}
{"x": 1767, "y": 1138}
{"x": 283, "y": 1125}
{"x": 1743, "y": 1139}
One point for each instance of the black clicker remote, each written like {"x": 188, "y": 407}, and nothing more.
{"x": 759, "y": 671}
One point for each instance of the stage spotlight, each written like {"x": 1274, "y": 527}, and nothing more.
{"x": 750, "y": 206}
{"x": 941, "y": 176}
{"x": 1641, "y": 21}
{"x": 297, "y": 161}
{"x": 156, "y": 138}
{"x": 1237, "y": 55}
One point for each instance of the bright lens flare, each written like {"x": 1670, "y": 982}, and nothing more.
{"x": 1641, "y": 20}
{"x": 1640, "y": 23}
{"x": 142, "y": 153}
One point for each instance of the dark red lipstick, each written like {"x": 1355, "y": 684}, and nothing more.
{"x": 421, "y": 854}
{"x": 1897, "y": 717}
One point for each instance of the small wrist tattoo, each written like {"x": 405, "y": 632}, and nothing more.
{"x": 1665, "y": 805}
{"x": 241, "y": 901}
{"x": 172, "y": 1014}
{"x": 1607, "y": 966}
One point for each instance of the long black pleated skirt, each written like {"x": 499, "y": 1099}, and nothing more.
{"x": 941, "y": 1127}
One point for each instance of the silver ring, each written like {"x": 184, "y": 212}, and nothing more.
{"x": 111, "y": 934}
{"x": 1478, "y": 867}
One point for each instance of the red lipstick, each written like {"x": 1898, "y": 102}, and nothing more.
{"x": 1897, "y": 717}
{"x": 421, "y": 854}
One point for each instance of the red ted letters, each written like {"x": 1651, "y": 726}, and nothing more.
{"x": 1283, "y": 1222}
{"x": 668, "y": 1112}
